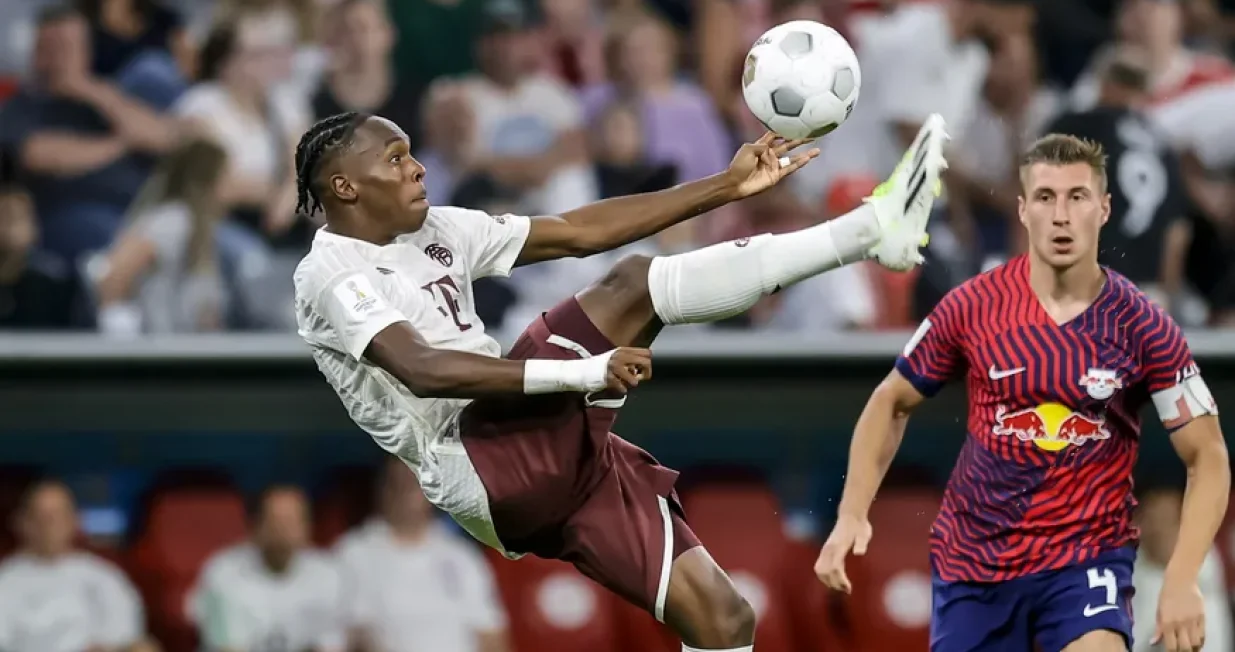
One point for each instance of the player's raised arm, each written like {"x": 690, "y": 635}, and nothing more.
{"x": 363, "y": 324}
{"x": 1190, "y": 415}
{"x": 930, "y": 358}
{"x": 611, "y": 223}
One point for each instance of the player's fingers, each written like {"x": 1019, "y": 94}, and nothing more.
{"x": 768, "y": 158}
{"x": 786, "y": 146}
{"x": 798, "y": 162}
{"x": 766, "y": 139}
{"x": 1169, "y": 640}
{"x": 1157, "y": 637}
{"x": 1183, "y": 642}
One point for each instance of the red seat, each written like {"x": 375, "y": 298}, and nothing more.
{"x": 741, "y": 526}
{"x": 554, "y": 607}
{"x": 817, "y": 615}
{"x": 891, "y": 603}
{"x": 183, "y": 529}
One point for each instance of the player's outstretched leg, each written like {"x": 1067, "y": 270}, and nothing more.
{"x": 642, "y": 294}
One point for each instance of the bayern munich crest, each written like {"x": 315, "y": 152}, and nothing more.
{"x": 439, "y": 254}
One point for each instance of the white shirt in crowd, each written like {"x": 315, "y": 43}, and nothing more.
{"x": 238, "y": 604}
{"x": 348, "y": 290}
{"x": 1202, "y": 121}
{"x": 437, "y": 594}
{"x": 258, "y": 147}
{"x": 911, "y": 67}
{"x": 1147, "y": 578}
{"x": 67, "y": 605}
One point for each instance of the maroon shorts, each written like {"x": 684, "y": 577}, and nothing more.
{"x": 562, "y": 486}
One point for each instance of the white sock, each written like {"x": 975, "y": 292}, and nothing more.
{"x": 748, "y": 648}
{"x": 726, "y": 279}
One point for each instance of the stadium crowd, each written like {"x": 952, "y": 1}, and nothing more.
{"x": 147, "y": 146}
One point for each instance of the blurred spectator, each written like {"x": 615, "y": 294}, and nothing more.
{"x": 1158, "y": 517}
{"x": 161, "y": 276}
{"x": 922, "y": 58}
{"x": 680, "y": 125}
{"x": 574, "y": 41}
{"x": 1147, "y": 236}
{"x": 361, "y": 76}
{"x": 621, "y": 169}
{"x": 291, "y": 32}
{"x": 122, "y": 29}
{"x": 984, "y": 175}
{"x": 55, "y": 598}
{"x": 38, "y": 291}
{"x": 242, "y": 106}
{"x": 84, "y": 142}
{"x": 256, "y": 124}
{"x": 411, "y": 585}
{"x": 1174, "y": 70}
{"x": 273, "y": 593}
{"x": 529, "y": 126}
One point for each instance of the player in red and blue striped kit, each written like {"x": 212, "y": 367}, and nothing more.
{"x": 1034, "y": 544}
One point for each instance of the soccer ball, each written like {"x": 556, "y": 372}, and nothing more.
{"x": 801, "y": 79}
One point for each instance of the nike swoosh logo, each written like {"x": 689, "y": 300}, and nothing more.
{"x": 996, "y": 374}
{"x": 1091, "y": 610}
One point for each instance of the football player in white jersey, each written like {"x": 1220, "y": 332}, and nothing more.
{"x": 518, "y": 449}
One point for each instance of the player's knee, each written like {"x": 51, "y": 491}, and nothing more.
{"x": 731, "y": 619}
{"x": 628, "y": 276}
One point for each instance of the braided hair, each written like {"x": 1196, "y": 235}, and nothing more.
{"x": 321, "y": 142}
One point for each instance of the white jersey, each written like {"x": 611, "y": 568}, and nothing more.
{"x": 349, "y": 290}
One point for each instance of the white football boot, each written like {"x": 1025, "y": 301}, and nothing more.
{"x": 903, "y": 203}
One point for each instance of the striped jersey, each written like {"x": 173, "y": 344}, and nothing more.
{"x": 1044, "y": 479}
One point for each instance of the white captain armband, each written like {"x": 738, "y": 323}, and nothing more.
{"x": 1184, "y": 401}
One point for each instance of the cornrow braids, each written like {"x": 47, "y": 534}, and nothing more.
{"x": 323, "y": 140}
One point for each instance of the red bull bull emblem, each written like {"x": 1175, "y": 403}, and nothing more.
{"x": 1101, "y": 383}
{"x": 1050, "y": 426}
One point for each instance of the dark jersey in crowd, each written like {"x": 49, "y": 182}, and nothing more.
{"x": 46, "y": 295}
{"x": 1146, "y": 186}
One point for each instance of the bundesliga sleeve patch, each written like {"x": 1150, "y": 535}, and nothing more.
{"x": 1187, "y": 399}
{"x": 917, "y": 337}
{"x": 357, "y": 296}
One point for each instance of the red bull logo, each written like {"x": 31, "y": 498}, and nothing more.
{"x": 1050, "y": 426}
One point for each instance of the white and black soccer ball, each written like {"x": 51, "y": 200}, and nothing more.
{"x": 801, "y": 79}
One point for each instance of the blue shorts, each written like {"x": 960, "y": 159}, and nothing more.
{"x": 1051, "y": 609}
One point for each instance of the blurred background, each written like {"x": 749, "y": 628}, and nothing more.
{"x": 175, "y": 475}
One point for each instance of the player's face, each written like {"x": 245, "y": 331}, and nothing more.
{"x": 1063, "y": 208}
{"x": 386, "y": 181}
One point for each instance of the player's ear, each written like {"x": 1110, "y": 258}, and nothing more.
{"x": 1106, "y": 208}
{"x": 1020, "y": 208}
{"x": 342, "y": 188}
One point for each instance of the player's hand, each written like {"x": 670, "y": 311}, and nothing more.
{"x": 757, "y": 166}
{"x": 1181, "y": 617}
{"x": 627, "y": 368}
{"x": 850, "y": 534}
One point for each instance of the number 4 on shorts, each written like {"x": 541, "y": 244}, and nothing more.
{"x": 1102, "y": 578}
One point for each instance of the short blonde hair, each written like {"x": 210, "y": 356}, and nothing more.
{"x": 1062, "y": 149}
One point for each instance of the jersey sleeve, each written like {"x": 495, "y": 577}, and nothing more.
{"x": 1173, "y": 379}
{"x": 491, "y": 243}
{"x": 342, "y": 287}
{"x": 936, "y": 351}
